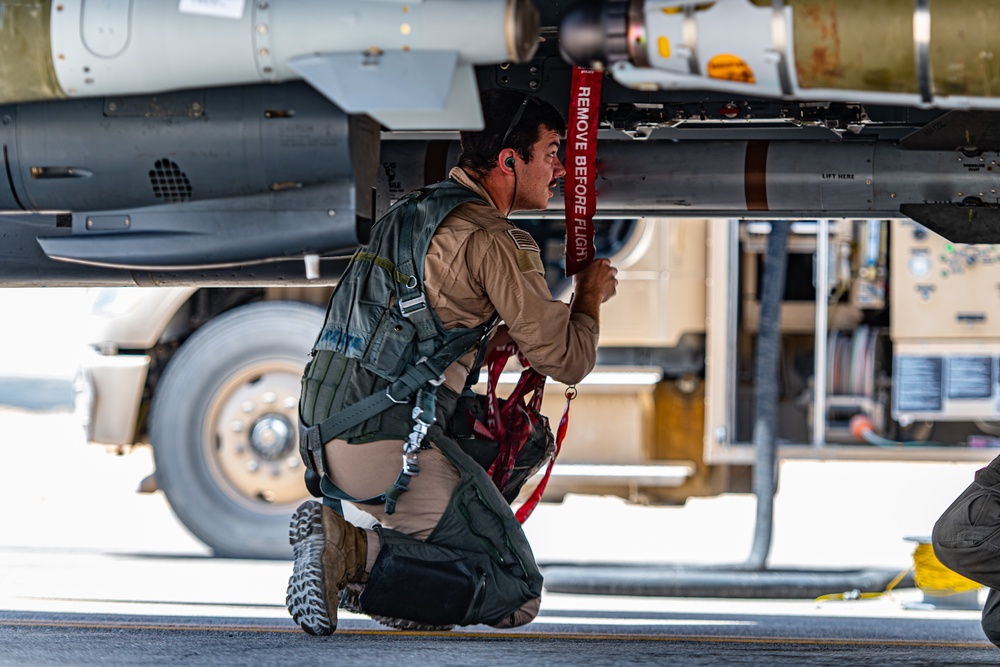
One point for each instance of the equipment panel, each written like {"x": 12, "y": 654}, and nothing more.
{"x": 943, "y": 290}
{"x": 946, "y": 382}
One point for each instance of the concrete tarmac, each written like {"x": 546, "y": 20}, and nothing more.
{"x": 65, "y": 640}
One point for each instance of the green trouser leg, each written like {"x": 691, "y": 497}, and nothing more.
{"x": 476, "y": 566}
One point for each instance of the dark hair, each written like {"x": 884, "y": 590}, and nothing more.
{"x": 500, "y": 111}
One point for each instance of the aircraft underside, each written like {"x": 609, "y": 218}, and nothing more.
{"x": 127, "y": 159}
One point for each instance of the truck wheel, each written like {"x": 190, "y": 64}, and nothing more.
{"x": 224, "y": 427}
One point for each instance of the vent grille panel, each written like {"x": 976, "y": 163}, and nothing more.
{"x": 170, "y": 184}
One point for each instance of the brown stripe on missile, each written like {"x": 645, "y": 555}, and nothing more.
{"x": 755, "y": 175}
{"x": 436, "y": 161}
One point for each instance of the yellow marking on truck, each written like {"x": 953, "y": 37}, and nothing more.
{"x": 663, "y": 46}
{"x": 728, "y": 67}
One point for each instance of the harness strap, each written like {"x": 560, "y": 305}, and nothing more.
{"x": 390, "y": 495}
{"x": 425, "y": 371}
{"x": 423, "y": 379}
{"x": 477, "y": 365}
{"x": 385, "y": 264}
{"x": 414, "y": 306}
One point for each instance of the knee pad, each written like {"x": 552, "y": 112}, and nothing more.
{"x": 433, "y": 592}
{"x": 526, "y": 614}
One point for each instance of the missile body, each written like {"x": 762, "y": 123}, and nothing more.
{"x": 756, "y": 179}
{"x": 914, "y": 52}
{"x": 381, "y": 57}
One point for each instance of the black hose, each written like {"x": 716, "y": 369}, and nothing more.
{"x": 766, "y": 392}
{"x": 709, "y": 582}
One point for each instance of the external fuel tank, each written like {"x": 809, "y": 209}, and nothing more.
{"x": 938, "y": 53}
{"x": 408, "y": 64}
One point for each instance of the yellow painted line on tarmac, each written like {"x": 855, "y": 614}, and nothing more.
{"x": 130, "y": 625}
{"x": 499, "y": 635}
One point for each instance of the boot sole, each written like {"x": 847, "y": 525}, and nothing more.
{"x": 306, "y": 598}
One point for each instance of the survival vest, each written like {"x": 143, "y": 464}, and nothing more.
{"x": 382, "y": 352}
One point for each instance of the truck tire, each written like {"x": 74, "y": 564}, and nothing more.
{"x": 224, "y": 427}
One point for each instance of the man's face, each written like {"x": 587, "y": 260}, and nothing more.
{"x": 538, "y": 179}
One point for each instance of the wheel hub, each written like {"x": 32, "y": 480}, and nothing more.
{"x": 252, "y": 442}
{"x": 271, "y": 437}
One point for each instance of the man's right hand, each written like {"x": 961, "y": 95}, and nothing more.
{"x": 593, "y": 286}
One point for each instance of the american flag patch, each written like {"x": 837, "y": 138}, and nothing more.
{"x": 523, "y": 240}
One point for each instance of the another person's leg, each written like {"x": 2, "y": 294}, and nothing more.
{"x": 991, "y": 616}
{"x": 966, "y": 539}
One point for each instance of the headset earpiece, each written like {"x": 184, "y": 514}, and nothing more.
{"x": 509, "y": 162}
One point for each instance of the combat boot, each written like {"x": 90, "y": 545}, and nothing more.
{"x": 329, "y": 554}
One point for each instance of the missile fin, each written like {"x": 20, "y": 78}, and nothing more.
{"x": 958, "y": 224}
{"x": 957, "y": 130}
{"x": 382, "y": 81}
{"x": 461, "y": 110}
{"x": 214, "y": 232}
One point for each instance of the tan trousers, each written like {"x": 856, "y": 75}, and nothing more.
{"x": 367, "y": 470}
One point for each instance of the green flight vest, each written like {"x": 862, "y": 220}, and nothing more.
{"x": 382, "y": 352}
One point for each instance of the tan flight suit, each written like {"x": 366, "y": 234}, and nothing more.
{"x": 478, "y": 262}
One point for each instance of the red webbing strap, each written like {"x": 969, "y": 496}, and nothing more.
{"x": 509, "y": 427}
{"x": 581, "y": 168}
{"x": 506, "y": 425}
{"x": 525, "y": 510}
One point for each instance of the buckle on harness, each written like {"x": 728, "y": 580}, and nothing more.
{"x": 434, "y": 383}
{"x": 391, "y": 398}
{"x": 413, "y": 443}
{"x": 417, "y": 435}
{"x": 410, "y": 466}
{"x": 409, "y": 307}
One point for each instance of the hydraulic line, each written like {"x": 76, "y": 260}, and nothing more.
{"x": 766, "y": 374}
{"x": 863, "y": 430}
